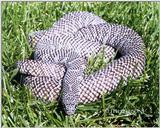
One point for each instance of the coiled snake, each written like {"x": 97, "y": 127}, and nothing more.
{"x": 61, "y": 54}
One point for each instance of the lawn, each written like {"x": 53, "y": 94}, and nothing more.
{"x": 135, "y": 104}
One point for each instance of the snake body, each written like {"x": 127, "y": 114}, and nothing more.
{"x": 61, "y": 55}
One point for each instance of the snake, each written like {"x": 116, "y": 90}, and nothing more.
{"x": 61, "y": 53}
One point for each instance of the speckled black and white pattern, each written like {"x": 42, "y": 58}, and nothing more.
{"x": 61, "y": 53}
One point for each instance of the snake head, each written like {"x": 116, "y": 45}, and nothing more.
{"x": 70, "y": 102}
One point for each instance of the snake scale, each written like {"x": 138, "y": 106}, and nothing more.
{"x": 61, "y": 54}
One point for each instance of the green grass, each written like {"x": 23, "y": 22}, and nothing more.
{"x": 133, "y": 105}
